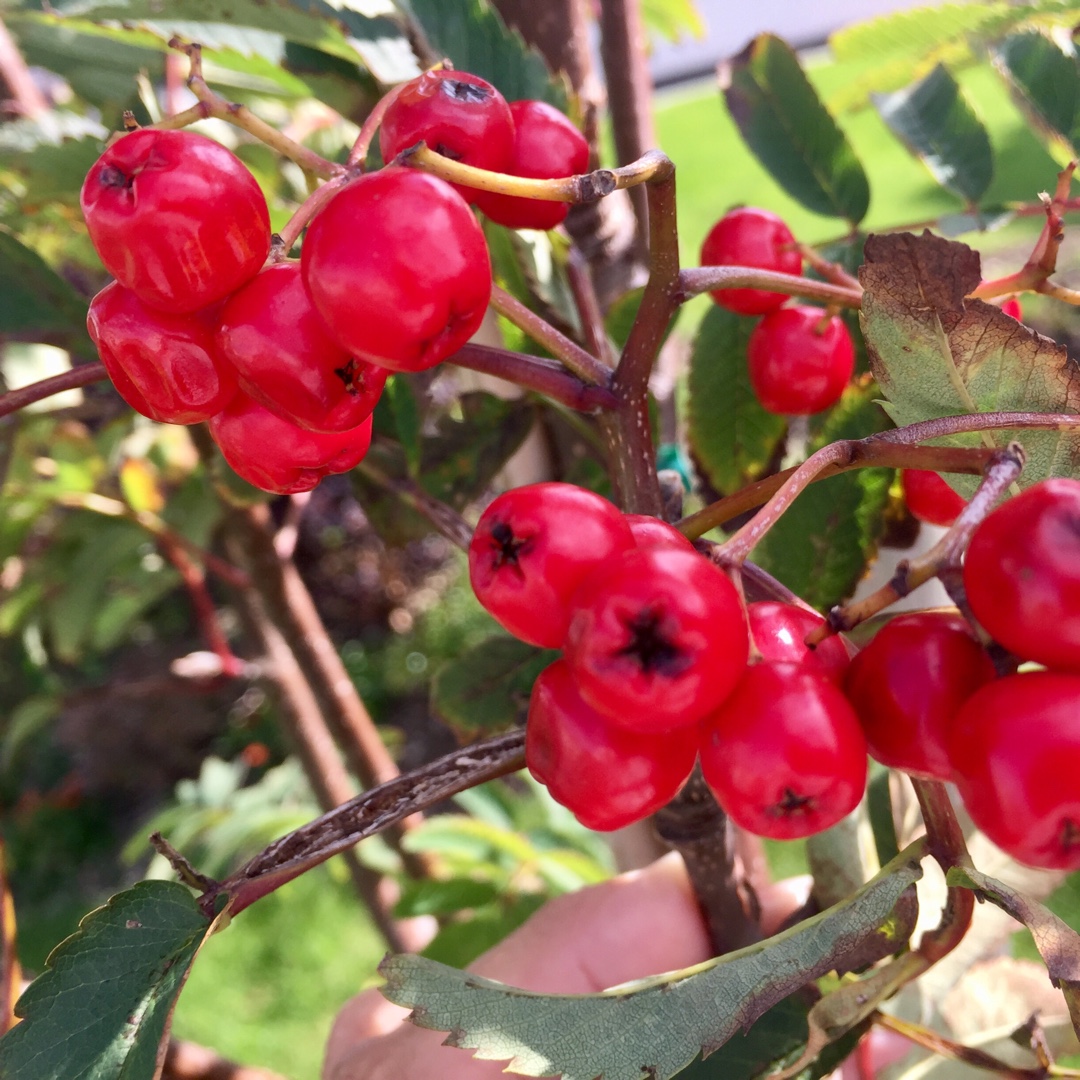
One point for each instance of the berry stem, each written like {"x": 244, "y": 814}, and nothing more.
{"x": 359, "y": 151}
{"x": 284, "y": 241}
{"x": 700, "y": 279}
{"x": 81, "y": 375}
{"x": 588, "y": 308}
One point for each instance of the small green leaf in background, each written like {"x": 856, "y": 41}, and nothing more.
{"x": 485, "y": 691}
{"x": 794, "y": 136}
{"x": 937, "y": 123}
{"x": 935, "y": 354}
{"x": 821, "y": 546}
{"x": 654, "y": 1027}
{"x": 34, "y": 299}
{"x": 1045, "y": 82}
{"x": 407, "y": 419}
{"x": 731, "y": 436}
{"x": 103, "y": 1006}
{"x": 672, "y": 19}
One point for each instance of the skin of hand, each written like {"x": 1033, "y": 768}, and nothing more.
{"x": 641, "y": 923}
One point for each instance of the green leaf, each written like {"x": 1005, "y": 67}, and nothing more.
{"x": 471, "y": 34}
{"x": 443, "y": 897}
{"x": 486, "y": 690}
{"x": 34, "y": 299}
{"x": 934, "y": 119}
{"x": 672, "y": 19}
{"x": 102, "y": 1008}
{"x": 732, "y": 437}
{"x": 822, "y": 544}
{"x": 1057, "y": 942}
{"x": 934, "y": 353}
{"x": 1045, "y": 82}
{"x": 655, "y": 1026}
{"x": 407, "y": 419}
{"x": 785, "y": 124}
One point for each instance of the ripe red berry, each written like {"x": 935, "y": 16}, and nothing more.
{"x": 657, "y": 638}
{"x": 929, "y": 497}
{"x": 287, "y": 361}
{"x": 457, "y": 114}
{"x": 780, "y": 630}
{"x": 546, "y": 145}
{"x": 608, "y": 776}
{"x": 398, "y": 268}
{"x": 909, "y": 683}
{"x": 163, "y": 365}
{"x": 784, "y": 755}
{"x": 533, "y": 547}
{"x": 1022, "y": 574}
{"x": 176, "y": 218}
{"x": 1012, "y": 308}
{"x": 1015, "y": 749}
{"x": 277, "y": 456}
{"x": 751, "y": 237}
{"x": 800, "y": 360}
{"x": 651, "y": 532}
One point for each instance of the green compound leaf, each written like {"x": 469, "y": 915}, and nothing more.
{"x": 485, "y": 691}
{"x": 34, "y": 298}
{"x": 784, "y": 122}
{"x": 934, "y": 353}
{"x": 102, "y": 1008}
{"x": 937, "y": 123}
{"x": 822, "y": 544}
{"x": 731, "y": 436}
{"x": 653, "y": 1027}
{"x": 1057, "y": 942}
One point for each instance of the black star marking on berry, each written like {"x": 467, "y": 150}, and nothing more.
{"x": 651, "y": 647}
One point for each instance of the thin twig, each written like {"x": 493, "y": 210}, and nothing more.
{"x": 701, "y": 279}
{"x": 82, "y": 375}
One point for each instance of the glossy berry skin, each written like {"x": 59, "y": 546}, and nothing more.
{"x": 908, "y": 684}
{"x": 929, "y": 497}
{"x": 286, "y": 359}
{"x": 1012, "y": 308}
{"x": 277, "y": 456}
{"x": 651, "y": 532}
{"x": 532, "y": 549}
{"x": 779, "y": 631}
{"x": 784, "y": 755}
{"x": 1022, "y": 574}
{"x": 417, "y": 286}
{"x": 546, "y": 145}
{"x": 799, "y": 360}
{"x": 458, "y": 115}
{"x": 176, "y": 218}
{"x": 608, "y": 776}
{"x": 657, "y": 639}
{"x": 751, "y": 237}
{"x": 164, "y": 366}
{"x": 1015, "y": 749}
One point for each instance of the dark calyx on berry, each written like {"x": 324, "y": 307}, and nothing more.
{"x": 508, "y": 548}
{"x": 791, "y": 804}
{"x": 112, "y": 177}
{"x": 653, "y": 650}
{"x": 467, "y": 92}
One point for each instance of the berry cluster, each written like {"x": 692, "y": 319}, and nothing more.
{"x": 800, "y": 358}
{"x": 287, "y": 360}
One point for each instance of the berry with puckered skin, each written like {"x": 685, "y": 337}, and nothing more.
{"x": 176, "y": 218}
{"x": 930, "y": 498}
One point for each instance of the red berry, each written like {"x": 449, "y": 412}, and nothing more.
{"x": 780, "y": 630}
{"x": 751, "y": 237}
{"x": 909, "y": 683}
{"x": 457, "y": 114}
{"x": 278, "y": 456}
{"x": 532, "y": 549}
{"x": 651, "y": 532}
{"x": 1015, "y": 749}
{"x": 608, "y": 776}
{"x": 657, "y": 638}
{"x": 1022, "y": 574}
{"x": 176, "y": 218}
{"x": 784, "y": 754}
{"x": 286, "y": 359}
{"x": 163, "y": 365}
{"x": 546, "y": 145}
{"x": 398, "y": 268}
{"x": 929, "y": 497}
{"x": 1012, "y": 308}
{"x": 800, "y": 360}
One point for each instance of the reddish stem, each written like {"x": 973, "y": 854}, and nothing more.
{"x": 83, "y": 375}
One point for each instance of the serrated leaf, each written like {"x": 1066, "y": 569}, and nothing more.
{"x": 821, "y": 546}
{"x": 785, "y": 124}
{"x": 102, "y": 1008}
{"x": 934, "y": 353}
{"x": 474, "y": 37}
{"x": 1045, "y": 82}
{"x": 486, "y": 690}
{"x": 657, "y": 1024}
{"x": 937, "y": 123}
{"x": 1057, "y": 942}
{"x": 34, "y": 299}
{"x": 731, "y": 436}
